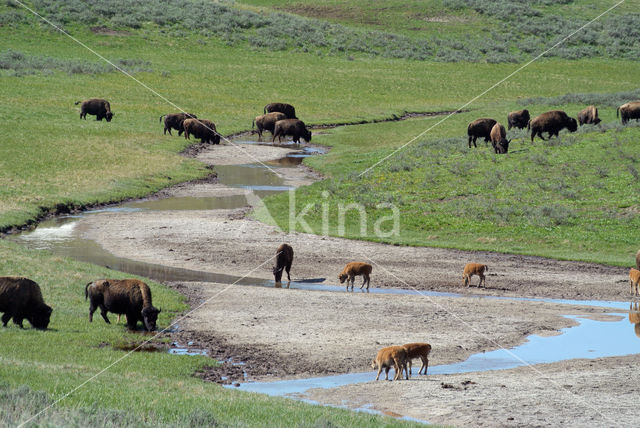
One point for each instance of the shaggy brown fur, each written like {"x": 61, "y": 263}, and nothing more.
{"x": 287, "y": 109}
{"x": 201, "y": 128}
{"x": 552, "y": 122}
{"x": 634, "y": 279}
{"x": 589, "y": 116}
{"x": 518, "y": 119}
{"x": 629, "y": 111}
{"x": 471, "y": 269}
{"x": 353, "y": 269}
{"x": 96, "y": 106}
{"x": 391, "y": 355}
{"x": 499, "y": 139}
{"x": 418, "y": 350}
{"x": 267, "y": 122}
{"x": 175, "y": 121}
{"x": 480, "y": 128}
{"x": 294, "y": 127}
{"x": 21, "y": 298}
{"x": 284, "y": 258}
{"x": 131, "y": 297}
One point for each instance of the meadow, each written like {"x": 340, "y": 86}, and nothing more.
{"x": 574, "y": 197}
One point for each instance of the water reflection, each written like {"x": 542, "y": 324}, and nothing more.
{"x": 634, "y": 317}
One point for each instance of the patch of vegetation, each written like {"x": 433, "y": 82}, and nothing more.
{"x": 614, "y": 99}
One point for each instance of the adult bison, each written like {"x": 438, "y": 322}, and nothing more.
{"x": 518, "y": 119}
{"x": 480, "y": 128}
{"x": 293, "y": 127}
{"x": 287, "y": 109}
{"x": 589, "y": 116}
{"x": 629, "y": 111}
{"x": 267, "y": 122}
{"x": 284, "y": 258}
{"x": 95, "y": 106}
{"x": 21, "y": 298}
{"x": 552, "y": 122}
{"x": 131, "y": 297}
{"x": 174, "y": 121}
{"x": 201, "y": 128}
{"x": 499, "y": 139}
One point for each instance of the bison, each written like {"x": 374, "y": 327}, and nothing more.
{"x": 353, "y": 269}
{"x": 499, "y": 138}
{"x": 284, "y": 258}
{"x": 294, "y": 127}
{"x": 418, "y": 350}
{"x": 201, "y": 128}
{"x": 267, "y": 122}
{"x": 589, "y": 116}
{"x": 552, "y": 122}
{"x": 629, "y": 111}
{"x": 96, "y": 106}
{"x": 175, "y": 121}
{"x": 471, "y": 269}
{"x": 395, "y": 356}
{"x": 287, "y": 109}
{"x": 480, "y": 128}
{"x": 21, "y": 298}
{"x": 131, "y": 297}
{"x": 518, "y": 119}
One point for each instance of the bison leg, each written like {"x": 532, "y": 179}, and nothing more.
{"x": 103, "y": 312}
{"x": 132, "y": 321}
{"x": 288, "y": 269}
{"x": 425, "y": 365}
{"x": 379, "y": 371}
{"x": 7, "y": 316}
{"x": 180, "y": 131}
{"x": 17, "y": 319}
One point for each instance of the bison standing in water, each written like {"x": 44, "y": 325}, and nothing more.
{"x": 21, "y": 298}
{"x": 175, "y": 121}
{"x": 95, "y": 106}
{"x": 201, "y": 128}
{"x": 552, "y": 122}
{"x": 480, "y": 128}
{"x": 131, "y": 297}
{"x": 589, "y": 116}
{"x": 499, "y": 139}
{"x": 267, "y": 122}
{"x": 294, "y": 127}
{"x": 518, "y": 119}
{"x": 287, "y": 109}
{"x": 284, "y": 258}
{"x": 629, "y": 111}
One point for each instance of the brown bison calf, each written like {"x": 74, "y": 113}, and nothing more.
{"x": 267, "y": 122}
{"x": 629, "y": 111}
{"x": 499, "y": 139}
{"x": 95, "y": 106}
{"x": 471, "y": 269}
{"x": 284, "y": 258}
{"x": 552, "y": 122}
{"x": 589, "y": 116}
{"x": 480, "y": 128}
{"x": 353, "y": 269}
{"x": 175, "y": 121}
{"x": 395, "y": 356}
{"x": 201, "y": 128}
{"x": 131, "y": 297}
{"x": 518, "y": 119}
{"x": 634, "y": 279}
{"x": 287, "y": 109}
{"x": 21, "y": 298}
{"x": 418, "y": 350}
{"x": 293, "y": 127}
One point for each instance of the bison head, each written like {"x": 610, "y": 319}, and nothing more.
{"x": 40, "y": 317}
{"x": 150, "y": 316}
{"x": 108, "y": 116}
{"x": 572, "y": 125}
{"x": 342, "y": 277}
{"x": 216, "y": 138}
{"x": 277, "y": 273}
{"x": 307, "y": 135}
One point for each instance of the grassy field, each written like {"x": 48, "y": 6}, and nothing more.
{"x": 572, "y": 198}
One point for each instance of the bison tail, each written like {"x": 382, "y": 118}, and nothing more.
{"x": 161, "y": 118}
{"x": 86, "y": 291}
{"x": 253, "y": 124}
{"x": 529, "y": 125}
{"x": 617, "y": 112}
{"x": 77, "y": 102}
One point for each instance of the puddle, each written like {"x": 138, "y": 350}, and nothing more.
{"x": 189, "y": 203}
{"x": 139, "y": 347}
{"x": 187, "y": 351}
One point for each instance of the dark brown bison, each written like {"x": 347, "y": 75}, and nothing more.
{"x": 131, "y": 297}
{"x": 518, "y": 119}
{"x": 201, "y": 128}
{"x": 267, "y": 122}
{"x": 175, "y": 121}
{"x": 499, "y": 139}
{"x": 552, "y": 122}
{"x": 287, "y": 109}
{"x": 480, "y": 128}
{"x": 284, "y": 258}
{"x": 589, "y": 116}
{"x": 629, "y": 111}
{"x": 21, "y": 298}
{"x": 294, "y": 127}
{"x": 96, "y": 106}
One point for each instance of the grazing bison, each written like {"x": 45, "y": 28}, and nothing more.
{"x": 287, "y": 109}
{"x": 589, "y": 116}
{"x": 175, "y": 121}
{"x": 418, "y": 350}
{"x": 95, "y": 106}
{"x": 629, "y": 111}
{"x": 551, "y": 122}
{"x": 21, "y": 298}
{"x": 131, "y": 297}
{"x": 284, "y": 258}
{"x": 294, "y": 127}
{"x": 480, "y": 128}
{"x": 471, "y": 269}
{"x": 201, "y": 128}
{"x": 518, "y": 119}
{"x": 395, "y": 356}
{"x": 499, "y": 138}
{"x": 267, "y": 122}
{"x": 353, "y": 269}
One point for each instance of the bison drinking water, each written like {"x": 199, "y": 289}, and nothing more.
{"x": 353, "y": 269}
{"x": 552, "y": 122}
{"x": 518, "y": 119}
{"x": 480, "y": 128}
{"x": 293, "y": 127}
{"x": 284, "y": 258}
{"x": 175, "y": 121}
{"x": 201, "y": 128}
{"x": 131, "y": 297}
{"x": 287, "y": 109}
{"x": 96, "y": 106}
{"x": 21, "y": 298}
{"x": 499, "y": 139}
{"x": 267, "y": 122}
